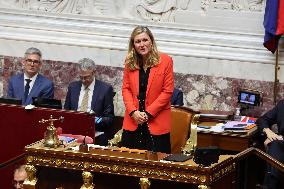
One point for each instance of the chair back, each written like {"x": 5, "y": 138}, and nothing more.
{"x": 180, "y": 130}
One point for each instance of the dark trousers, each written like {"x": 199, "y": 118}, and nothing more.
{"x": 273, "y": 177}
{"x": 143, "y": 140}
{"x": 102, "y": 140}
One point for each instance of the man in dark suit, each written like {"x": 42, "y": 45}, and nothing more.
{"x": 30, "y": 84}
{"x": 177, "y": 98}
{"x": 92, "y": 95}
{"x": 274, "y": 143}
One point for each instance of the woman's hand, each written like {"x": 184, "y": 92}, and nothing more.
{"x": 271, "y": 136}
{"x": 140, "y": 117}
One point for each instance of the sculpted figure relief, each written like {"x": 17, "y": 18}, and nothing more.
{"x": 111, "y": 8}
{"x": 255, "y": 5}
{"x": 160, "y": 10}
{"x": 61, "y": 6}
{"x": 14, "y": 3}
{"x": 238, "y": 5}
{"x": 151, "y": 10}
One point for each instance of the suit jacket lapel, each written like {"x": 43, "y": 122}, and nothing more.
{"x": 95, "y": 95}
{"x": 77, "y": 94}
{"x": 151, "y": 77}
{"x": 20, "y": 87}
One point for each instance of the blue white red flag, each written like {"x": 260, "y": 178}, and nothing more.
{"x": 273, "y": 23}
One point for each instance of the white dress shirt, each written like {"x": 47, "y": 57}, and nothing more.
{"x": 82, "y": 92}
{"x": 32, "y": 81}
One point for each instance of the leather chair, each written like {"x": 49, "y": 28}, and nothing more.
{"x": 183, "y": 133}
{"x": 182, "y": 118}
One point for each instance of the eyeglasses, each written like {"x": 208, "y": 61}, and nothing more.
{"x": 30, "y": 61}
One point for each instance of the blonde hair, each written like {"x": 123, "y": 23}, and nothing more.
{"x": 133, "y": 59}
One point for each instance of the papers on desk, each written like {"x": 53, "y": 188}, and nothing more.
{"x": 76, "y": 148}
{"x": 219, "y": 128}
{"x": 215, "y": 116}
{"x": 238, "y": 126}
{"x": 66, "y": 139}
{"x": 230, "y": 126}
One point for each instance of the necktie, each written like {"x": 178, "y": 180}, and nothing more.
{"x": 85, "y": 100}
{"x": 27, "y": 88}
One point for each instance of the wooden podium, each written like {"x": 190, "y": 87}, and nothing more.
{"x": 20, "y": 127}
{"x": 119, "y": 168}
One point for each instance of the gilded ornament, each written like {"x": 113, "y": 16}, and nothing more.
{"x": 203, "y": 187}
{"x": 58, "y": 162}
{"x": 144, "y": 183}
{"x": 30, "y": 159}
{"x": 87, "y": 180}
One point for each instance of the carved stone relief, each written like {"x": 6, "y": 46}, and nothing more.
{"x": 160, "y": 10}
{"x": 86, "y": 7}
{"x": 237, "y": 5}
{"x": 151, "y": 10}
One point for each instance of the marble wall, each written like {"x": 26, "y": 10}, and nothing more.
{"x": 201, "y": 92}
{"x": 216, "y": 45}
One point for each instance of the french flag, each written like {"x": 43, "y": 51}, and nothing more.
{"x": 273, "y": 23}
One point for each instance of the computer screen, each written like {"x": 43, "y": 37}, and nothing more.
{"x": 47, "y": 103}
{"x": 6, "y": 100}
{"x": 249, "y": 98}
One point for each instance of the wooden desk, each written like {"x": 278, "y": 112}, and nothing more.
{"x": 63, "y": 168}
{"x": 20, "y": 127}
{"x": 226, "y": 140}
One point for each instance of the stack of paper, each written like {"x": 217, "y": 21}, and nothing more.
{"x": 238, "y": 126}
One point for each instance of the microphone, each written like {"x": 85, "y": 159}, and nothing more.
{"x": 84, "y": 140}
{"x": 84, "y": 147}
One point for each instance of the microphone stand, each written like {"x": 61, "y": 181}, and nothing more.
{"x": 83, "y": 147}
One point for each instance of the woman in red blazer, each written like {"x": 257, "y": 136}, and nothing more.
{"x": 147, "y": 88}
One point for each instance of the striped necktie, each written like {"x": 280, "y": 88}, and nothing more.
{"x": 85, "y": 100}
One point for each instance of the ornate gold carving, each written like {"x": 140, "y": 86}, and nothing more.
{"x": 191, "y": 143}
{"x": 74, "y": 164}
{"x": 31, "y": 176}
{"x": 116, "y": 139}
{"x": 87, "y": 180}
{"x": 173, "y": 175}
{"x": 203, "y": 187}
{"x": 86, "y": 165}
{"x": 144, "y": 183}
{"x": 30, "y": 159}
{"x": 115, "y": 168}
{"x": 202, "y": 178}
{"x": 58, "y": 162}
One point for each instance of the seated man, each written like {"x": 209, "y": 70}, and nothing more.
{"x": 20, "y": 175}
{"x": 274, "y": 142}
{"x": 30, "y": 84}
{"x": 177, "y": 98}
{"x": 92, "y": 95}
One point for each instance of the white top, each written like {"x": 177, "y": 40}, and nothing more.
{"x": 82, "y": 92}
{"x": 32, "y": 81}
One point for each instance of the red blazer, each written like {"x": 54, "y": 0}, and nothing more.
{"x": 158, "y": 96}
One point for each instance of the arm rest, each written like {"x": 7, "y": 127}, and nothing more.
{"x": 191, "y": 143}
{"x": 116, "y": 139}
